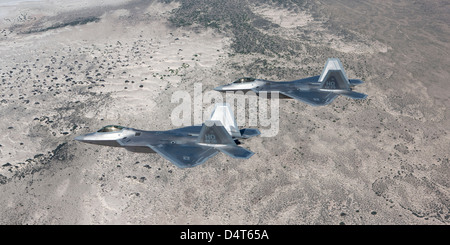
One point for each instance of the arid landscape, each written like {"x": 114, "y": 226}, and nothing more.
{"x": 71, "y": 67}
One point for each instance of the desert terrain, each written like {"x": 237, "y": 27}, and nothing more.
{"x": 71, "y": 67}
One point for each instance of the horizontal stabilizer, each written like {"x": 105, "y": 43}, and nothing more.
{"x": 355, "y": 95}
{"x": 355, "y": 82}
{"x": 236, "y": 151}
{"x": 314, "y": 98}
{"x": 249, "y": 132}
{"x": 184, "y": 156}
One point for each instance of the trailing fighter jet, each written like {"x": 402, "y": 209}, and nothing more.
{"x": 185, "y": 147}
{"x": 316, "y": 91}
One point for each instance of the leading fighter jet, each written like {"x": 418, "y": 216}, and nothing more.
{"x": 316, "y": 91}
{"x": 185, "y": 147}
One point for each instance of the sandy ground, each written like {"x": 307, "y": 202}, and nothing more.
{"x": 383, "y": 160}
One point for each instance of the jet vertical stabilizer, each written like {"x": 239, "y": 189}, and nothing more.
{"x": 213, "y": 134}
{"x": 333, "y": 76}
{"x": 224, "y": 114}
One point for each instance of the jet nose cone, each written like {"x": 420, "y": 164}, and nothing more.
{"x": 86, "y": 137}
{"x": 220, "y": 88}
{"x": 80, "y": 138}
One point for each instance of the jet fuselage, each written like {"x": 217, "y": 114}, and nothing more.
{"x": 308, "y": 84}
{"x": 138, "y": 140}
{"x": 316, "y": 91}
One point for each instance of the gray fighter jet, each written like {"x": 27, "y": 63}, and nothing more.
{"x": 185, "y": 147}
{"x": 316, "y": 91}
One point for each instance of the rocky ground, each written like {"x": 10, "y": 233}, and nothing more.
{"x": 67, "y": 71}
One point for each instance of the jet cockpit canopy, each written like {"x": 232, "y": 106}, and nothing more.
{"x": 110, "y": 128}
{"x": 245, "y": 80}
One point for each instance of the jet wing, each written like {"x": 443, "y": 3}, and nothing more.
{"x": 355, "y": 95}
{"x": 184, "y": 156}
{"x": 314, "y": 98}
{"x": 189, "y": 130}
{"x": 249, "y": 132}
{"x": 236, "y": 151}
